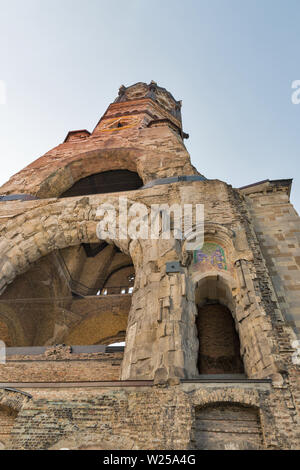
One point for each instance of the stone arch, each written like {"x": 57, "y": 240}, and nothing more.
{"x": 241, "y": 396}
{"x": 215, "y": 286}
{"x": 227, "y": 420}
{"x": 237, "y": 292}
{"x": 88, "y": 163}
{"x": 249, "y": 320}
{"x": 54, "y": 227}
{"x": 218, "y": 334}
{"x": 112, "y": 181}
{"x": 219, "y": 234}
{"x": 56, "y": 171}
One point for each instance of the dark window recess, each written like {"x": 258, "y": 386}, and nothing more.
{"x": 231, "y": 426}
{"x": 219, "y": 345}
{"x": 107, "y": 182}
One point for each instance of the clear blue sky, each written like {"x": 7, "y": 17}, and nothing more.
{"x": 232, "y": 62}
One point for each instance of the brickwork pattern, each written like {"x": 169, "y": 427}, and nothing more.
{"x": 142, "y": 132}
{"x": 75, "y": 368}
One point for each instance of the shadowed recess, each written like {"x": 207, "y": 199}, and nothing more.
{"x": 106, "y": 182}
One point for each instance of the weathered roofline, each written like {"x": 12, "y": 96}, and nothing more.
{"x": 268, "y": 183}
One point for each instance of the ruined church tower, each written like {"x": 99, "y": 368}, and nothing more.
{"x": 211, "y": 357}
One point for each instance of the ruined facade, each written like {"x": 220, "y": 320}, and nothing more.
{"x": 211, "y": 357}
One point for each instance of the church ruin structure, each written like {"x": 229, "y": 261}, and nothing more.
{"x": 212, "y": 353}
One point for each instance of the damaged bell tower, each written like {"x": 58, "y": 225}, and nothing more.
{"x": 126, "y": 343}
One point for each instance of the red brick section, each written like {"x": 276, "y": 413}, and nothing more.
{"x": 219, "y": 348}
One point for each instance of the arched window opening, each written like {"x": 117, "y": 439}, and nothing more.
{"x": 219, "y": 345}
{"x": 106, "y": 182}
{"x": 79, "y": 296}
{"x": 227, "y": 426}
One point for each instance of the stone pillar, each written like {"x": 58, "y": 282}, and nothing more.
{"x": 156, "y": 339}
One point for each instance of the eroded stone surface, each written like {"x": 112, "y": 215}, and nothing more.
{"x": 254, "y": 232}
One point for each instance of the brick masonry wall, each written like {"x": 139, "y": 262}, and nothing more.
{"x": 7, "y": 421}
{"x": 232, "y": 427}
{"x": 155, "y": 152}
{"x": 161, "y": 338}
{"x": 143, "y": 417}
{"x": 78, "y": 368}
{"x": 219, "y": 347}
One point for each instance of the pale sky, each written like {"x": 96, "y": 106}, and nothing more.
{"x": 232, "y": 62}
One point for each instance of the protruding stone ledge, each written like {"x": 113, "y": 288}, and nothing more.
{"x": 190, "y": 385}
{"x": 185, "y": 384}
{"x": 74, "y": 350}
{"x": 174, "y": 179}
{"x": 114, "y": 383}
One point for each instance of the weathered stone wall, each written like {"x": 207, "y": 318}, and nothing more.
{"x": 152, "y": 152}
{"x": 141, "y": 417}
{"x": 11, "y": 403}
{"x": 7, "y": 421}
{"x": 277, "y": 226}
{"x": 165, "y": 339}
{"x": 142, "y": 132}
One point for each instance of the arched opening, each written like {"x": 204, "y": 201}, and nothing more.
{"x": 106, "y": 182}
{"x": 219, "y": 345}
{"x": 227, "y": 426}
{"x": 79, "y": 295}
